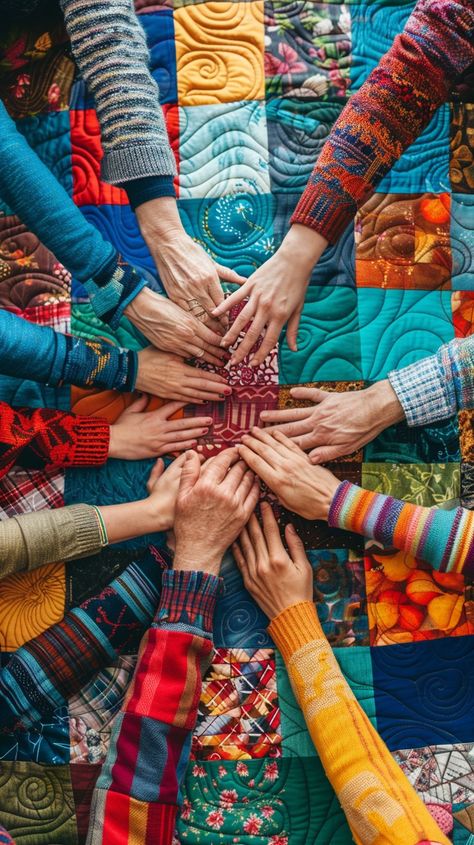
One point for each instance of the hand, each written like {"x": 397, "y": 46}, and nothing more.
{"x": 170, "y": 328}
{"x": 141, "y": 434}
{"x": 337, "y": 423}
{"x": 287, "y": 470}
{"x": 214, "y": 503}
{"x": 276, "y": 294}
{"x": 162, "y": 487}
{"x": 275, "y": 578}
{"x": 167, "y": 375}
{"x": 190, "y": 277}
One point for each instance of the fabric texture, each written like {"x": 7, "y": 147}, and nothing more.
{"x": 391, "y": 109}
{"x": 437, "y": 387}
{"x": 34, "y": 539}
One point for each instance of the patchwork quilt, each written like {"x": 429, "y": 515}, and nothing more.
{"x": 250, "y": 90}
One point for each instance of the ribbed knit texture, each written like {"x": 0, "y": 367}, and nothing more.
{"x": 439, "y": 386}
{"x": 91, "y": 363}
{"x": 110, "y": 293}
{"x": 34, "y": 539}
{"x": 49, "y": 669}
{"x": 380, "y": 804}
{"x": 391, "y": 109}
{"x": 445, "y": 539}
{"x": 138, "y": 791}
{"x": 148, "y": 188}
{"x": 109, "y": 46}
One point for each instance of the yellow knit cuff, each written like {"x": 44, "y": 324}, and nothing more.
{"x": 294, "y": 627}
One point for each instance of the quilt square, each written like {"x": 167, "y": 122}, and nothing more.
{"x": 86, "y": 157}
{"x": 467, "y": 486}
{"x": 118, "y": 224}
{"x": 296, "y": 741}
{"x": 83, "y": 780}
{"x": 466, "y": 427}
{"x": 408, "y": 601}
{"x": 424, "y": 695}
{"x": 49, "y": 136}
{"x": 440, "y": 773}
{"x": 85, "y": 323}
{"x": 223, "y": 150}
{"x": 307, "y": 48}
{"x": 88, "y": 576}
{"x": 159, "y": 29}
{"x": 461, "y": 168}
{"x": 25, "y": 490}
{"x": 238, "y": 715}
{"x": 236, "y": 229}
{"x": 46, "y": 743}
{"x": 339, "y": 594}
{"x": 374, "y": 25}
{"x": 219, "y": 52}
{"x": 37, "y": 800}
{"x": 328, "y": 339}
{"x": 402, "y": 444}
{"x": 462, "y": 303}
{"x": 238, "y": 621}
{"x": 30, "y": 602}
{"x": 462, "y": 240}
{"x": 398, "y": 327}
{"x": 422, "y": 484}
{"x": 402, "y": 241}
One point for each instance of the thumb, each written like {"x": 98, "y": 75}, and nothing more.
{"x": 156, "y": 471}
{"x": 295, "y": 546}
{"x": 169, "y": 409}
{"x": 138, "y": 405}
{"x": 229, "y": 275}
{"x": 312, "y": 394}
{"x": 323, "y": 454}
{"x": 292, "y": 328}
{"x": 190, "y": 473}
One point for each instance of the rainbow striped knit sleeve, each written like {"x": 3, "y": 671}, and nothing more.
{"x": 445, "y": 539}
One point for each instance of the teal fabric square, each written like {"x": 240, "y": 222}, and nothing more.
{"x": 356, "y": 666}
{"x": 374, "y": 25}
{"x": 438, "y": 443}
{"x": 424, "y": 166}
{"x": 328, "y": 339}
{"x": 462, "y": 241}
{"x": 49, "y": 136}
{"x": 398, "y": 327}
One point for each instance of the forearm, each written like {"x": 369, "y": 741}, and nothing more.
{"x": 110, "y": 49}
{"x": 387, "y": 114}
{"x": 445, "y": 539}
{"x": 34, "y": 539}
{"x": 173, "y": 655}
{"x": 379, "y": 802}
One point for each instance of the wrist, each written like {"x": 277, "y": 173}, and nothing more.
{"x": 159, "y": 218}
{"x": 302, "y": 246}
{"x": 191, "y": 557}
{"x": 116, "y": 442}
{"x": 385, "y": 405}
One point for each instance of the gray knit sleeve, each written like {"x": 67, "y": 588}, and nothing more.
{"x": 33, "y": 539}
{"x": 109, "y": 46}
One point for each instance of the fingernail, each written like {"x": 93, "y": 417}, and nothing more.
{"x": 253, "y": 362}
{"x": 204, "y": 430}
{"x": 223, "y": 342}
{"x": 209, "y": 420}
{"x": 221, "y": 396}
{"x": 228, "y": 391}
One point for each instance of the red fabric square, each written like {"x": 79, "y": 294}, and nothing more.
{"x": 88, "y": 188}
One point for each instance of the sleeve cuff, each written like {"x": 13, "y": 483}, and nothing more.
{"x": 138, "y": 161}
{"x": 294, "y": 627}
{"x": 92, "y": 438}
{"x": 421, "y": 392}
{"x": 110, "y": 293}
{"x": 188, "y": 598}
{"x": 148, "y": 188}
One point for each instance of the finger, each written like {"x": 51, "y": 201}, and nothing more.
{"x": 247, "y": 483}
{"x": 190, "y": 473}
{"x": 217, "y": 468}
{"x": 229, "y": 302}
{"x": 266, "y": 445}
{"x": 157, "y": 470}
{"x": 193, "y": 396}
{"x": 323, "y": 454}
{"x": 186, "y": 434}
{"x": 293, "y": 429}
{"x": 240, "y": 561}
{"x": 208, "y": 354}
{"x": 257, "y": 536}
{"x": 252, "y": 499}
{"x": 179, "y": 446}
{"x": 292, "y": 328}
{"x": 282, "y": 445}
{"x": 248, "y": 342}
{"x": 138, "y": 405}
{"x": 247, "y": 552}
{"x": 259, "y": 466}
{"x": 207, "y": 335}
{"x": 289, "y": 445}
{"x": 271, "y": 531}
{"x": 175, "y": 467}
{"x": 269, "y": 342}
{"x": 167, "y": 411}
{"x": 188, "y": 423}
{"x": 286, "y": 415}
{"x": 239, "y": 324}
{"x": 204, "y": 378}
{"x": 235, "y": 475}
{"x": 295, "y": 546}
{"x": 228, "y": 275}
{"x": 312, "y": 394}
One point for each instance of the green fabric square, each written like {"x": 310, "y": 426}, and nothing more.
{"x": 356, "y": 665}
{"x": 37, "y": 804}
{"x": 422, "y": 484}
{"x": 85, "y": 323}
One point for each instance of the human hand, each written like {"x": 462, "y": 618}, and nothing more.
{"x": 162, "y": 487}
{"x": 171, "y": 329}
{"x": 337, "y": 423}
{"x": 167, "y": 375}
{"x": 275, "y": 578}
{"x": 214, "y": 503}
{"x": 276, "y": 293}
{"x": 141, "y": 434}
{"x": 288, "y": 472}
{"x": 190, "y": 277}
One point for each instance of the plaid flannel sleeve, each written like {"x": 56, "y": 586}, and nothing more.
{"x": 439, "y": 386}
{"x": 138, "y": 791}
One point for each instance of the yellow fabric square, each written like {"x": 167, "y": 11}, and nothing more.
{"x": 219, "y": 52}
{"x": 30, "y": 602}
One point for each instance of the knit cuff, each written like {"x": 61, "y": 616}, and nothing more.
{"x": 92, "y": 363}
{"x": 337, "y": 516}
{"x": 422, "y": 392}
{"x": 110, "y": 293}
{"x": 148, "y": 188}
{"x": 324, "y": 210}
{"x": 137, "y": 161}
{"x": 92, "y": 438}
{"x": 188, "y": 598}
{"x": 88, "y": 536}
{"x": 294, "y": 627}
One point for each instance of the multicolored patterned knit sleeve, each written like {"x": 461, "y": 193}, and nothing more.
{"x": 389, "y": 111}
{"x": 109, "y": 46}
{"x": 138, "y": 791}
{"x": 62, "y": 358}
{"x": 5, "y": 838}
{"x": 444, "y": 539}
{"x": 379, "y": 802}
{"x": 45, "y": 437}
{"x": 439, "y": 386}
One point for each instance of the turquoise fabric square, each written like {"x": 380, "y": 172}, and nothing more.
{"x": 438, "y": 443}
{"x": 462, "y": 241}
{"x": 328, "y": 339}
{"x": 49, "y": 136}
{"x": 374, "y": 25}
{"x": 424, "y": 166}
{"x": 398, "y": 327}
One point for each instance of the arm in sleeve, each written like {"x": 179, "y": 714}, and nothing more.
{"x": 46, "y": 437}
{"x": 109, "y": 46}
{"x": 379, "y": 802}
{"x": 387, "y": 114}
{"x": 443, "y": 538}
{"x": 138, "y": 791}
{"x": 439, "y": 386}
{"x": 34, "y": 539}
{"x": 35, "y": 195}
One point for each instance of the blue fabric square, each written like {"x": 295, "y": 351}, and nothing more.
{"x": 424, "y": 166}
{"x": 374, "y": 25}
{"x": 462, "y": 241}
{"x": 424, "y": 692}
{"x": 159, "y": 28}
{"x": 398, "y": 327}
{"x": 45, "y": 742}
{"x": 238, "y": 621}
{"x": 118, "y": 224}
{"x": 49, "y": 136}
